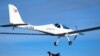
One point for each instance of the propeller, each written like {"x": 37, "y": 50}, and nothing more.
{"x": 75, "y": 37}
{"x": 78, "y": 33}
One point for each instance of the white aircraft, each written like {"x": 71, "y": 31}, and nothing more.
{"x": 49, "y": 29}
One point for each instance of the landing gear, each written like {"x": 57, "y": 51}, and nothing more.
{"x": 56, "y": 42}
{"x": 70, "y": 42}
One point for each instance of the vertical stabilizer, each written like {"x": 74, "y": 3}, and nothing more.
{"x": 14, "y": 15}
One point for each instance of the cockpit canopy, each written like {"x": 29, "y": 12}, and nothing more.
{"x": 61, "y": 26}
{"x": 58, "y": 25}
{"x": 65, "y": 27}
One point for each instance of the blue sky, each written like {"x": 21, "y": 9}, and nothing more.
{"x": 83, "y": 13}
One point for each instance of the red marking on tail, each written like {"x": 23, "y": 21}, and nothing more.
{"x": 15, "y": 10}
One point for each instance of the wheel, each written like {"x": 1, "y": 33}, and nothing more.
{"x": 70, "y": 42}
{"x": 55, "y": 44}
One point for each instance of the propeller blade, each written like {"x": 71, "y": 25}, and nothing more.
{"x": 81, "y": 34}
{"x": 75, "y": 27}
{"x": 75, "y": 37}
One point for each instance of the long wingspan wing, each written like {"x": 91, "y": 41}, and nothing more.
{"x": 9, "y": 33}
{"x": 85, "y": 30}
{"x": 11, "y": 25}
{"x": 8, "y": 25}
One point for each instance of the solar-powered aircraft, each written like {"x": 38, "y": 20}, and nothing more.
{"x": 48, "y": 29}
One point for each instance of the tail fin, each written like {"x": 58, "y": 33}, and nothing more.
{"x": 14, "y": 15}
